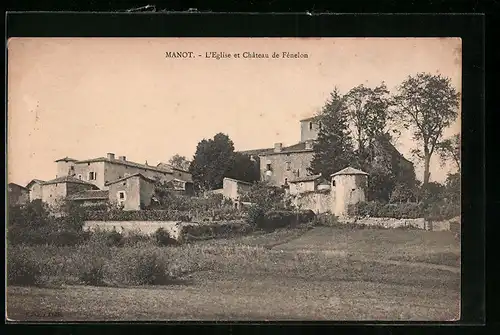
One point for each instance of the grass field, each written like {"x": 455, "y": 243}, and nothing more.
{"x": 319, "y": 274}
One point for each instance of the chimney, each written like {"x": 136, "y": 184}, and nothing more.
{"x": 111, "y": 155}
{"x": 278, "y": 147}
{"x": 309, "y": 144}
{"x": 122, "y": 158}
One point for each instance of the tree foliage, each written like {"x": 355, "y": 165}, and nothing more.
{"x": 333, "y": 149}
{"x": 215, "y": 159}
{"x": 179, "y": 162}
{"x": 449, "y": 150}
{"x": 368, "y": 114}
{"x": 427, "y": 104}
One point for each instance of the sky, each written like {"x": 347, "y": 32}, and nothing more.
{"x": 85, "y": 97}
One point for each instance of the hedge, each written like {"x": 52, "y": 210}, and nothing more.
{"x": 143, "y": 215}
{"x": 278, "y": 219}
{"x": 215, "y": 230}
{"x": 411, "y": 210}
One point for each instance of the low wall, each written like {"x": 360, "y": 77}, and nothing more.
{"x": 174, "y": 228}
{"x": 318, "y": 202}
{"x": 420, "y": 223}
{"x": 178, "y": 230}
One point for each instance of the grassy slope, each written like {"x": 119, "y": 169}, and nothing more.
{"x": 317, "y": 276}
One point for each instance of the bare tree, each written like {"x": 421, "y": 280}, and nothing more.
{"x": 427, "y": 104}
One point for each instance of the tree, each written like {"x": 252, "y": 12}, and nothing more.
{"x": 449, "y": 150}
{"x": 243, "y": 168}
{"x": 179, "y": 162}
{"x": 427, "y": 104}
{"x": 213, "y": 158}
{"x": 367, "y": 111}
{"x": 333, "y": 149}
{"x": 452, "y": 187}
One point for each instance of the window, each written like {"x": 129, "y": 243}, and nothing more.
{"x": 92, "y": 176}
{"x": 80, "y": 176}
{"x": 310, "y": 125}
{"x": 268, "y": 166}
{"x": 333, "y": 182}
{"x": 286, "y": 181}
{"x": 121, "y": 195}
{"x": 288, "y": 166}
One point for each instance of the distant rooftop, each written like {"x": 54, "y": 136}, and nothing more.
{"x": 67, "y": 179}
{"x": 140, "y": 175}
{"x": 306, "y": 178}
{"x": 124, "y": 162}
{"x": 299, "y": 147}
{"x": 311, "y": 118}
{"x": 90, "y": 195}
{"x": 66, "y": 159}
{"x": 349, "y": 171}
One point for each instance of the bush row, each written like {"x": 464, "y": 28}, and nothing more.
{"x": 434, "y": 212}
{"x": 216, "y": 214}
{"x": 271, "y": 220}
{"x": 215, "y": 230}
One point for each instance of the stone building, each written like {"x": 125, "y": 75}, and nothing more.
{"x": 233, "y": 189}
{"x": 348, "y": 187}
{"x": 305, "y": 184}
{"x": 132, "y": 192}
{"x": 102, "y": 170}
{"x": 55, "y": 190}
{"x": 17, "y": 195}
{"x": 35, "y": 189}
{"x": 107, "y": 180}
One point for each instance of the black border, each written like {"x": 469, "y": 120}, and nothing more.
{"x": 470, "y": 27}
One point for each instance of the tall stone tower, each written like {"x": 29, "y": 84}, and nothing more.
{"x": 348, "y": 187}
{"x": 309, "y": 129}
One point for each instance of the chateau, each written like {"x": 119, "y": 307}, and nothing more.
{"x": 286, "y": 165}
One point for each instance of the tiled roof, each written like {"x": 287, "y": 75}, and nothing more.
{"x": 238, "y": 181}
{"x": 140, "y": 175}
{"x": 17, "y": 185}
{"x": 306, "y": 178}
{"x": 90, "y": 195}
{"x": 122, "y": 162}
{"x": 299, "y": 147}
{"x": 311, "y": 118}
{"x": 35, "y": 181}
{"x": 349, "y": 171}
{"x": 171, "y": 169}
{"x": 67, "y": 159}
{"x": 255, "y": 152}
{"x": 67, "y": 179}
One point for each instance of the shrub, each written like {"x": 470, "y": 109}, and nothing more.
{"x": 410, "y": 210}
{"x": 140, "y": 265}
{"x": 280, "y": 219}
{"x": 256, "y": 215}
{"x": 23, "y": 268}
{"x": 163, "y": 238}
{"x": 215, "y": 230}
{"x": 144, "y": 215}
{"x": 326, "y": 220}
{"x": 92, "y": 273}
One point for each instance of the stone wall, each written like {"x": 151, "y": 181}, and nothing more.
{"x": 420, "y": 223}
{"x": 174, "y": 228}
{"x": 318, "y": 202}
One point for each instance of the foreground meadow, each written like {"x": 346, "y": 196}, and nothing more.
{"x": 322, "y": 273}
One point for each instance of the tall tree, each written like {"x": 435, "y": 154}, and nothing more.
{"x": 333, "y": 149}
{"x": 212, "y": 160}
{"x": 243, "y": 168}
{"x": 367, "y": 110}
{"x": 179, "y": 162}
{"x": 449, "y": 150}
{"x": 427, "y": 104}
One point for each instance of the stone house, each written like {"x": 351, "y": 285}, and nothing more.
{"x": 305, "y": 184}
{"x": 35, "y": 189}
{"x": 17, "y": 195}
{"x": 233, "y": 189}
{"x": 132, "y": 192}
{"x": 102, "y": 170}
{"x": 55, "y": 190}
